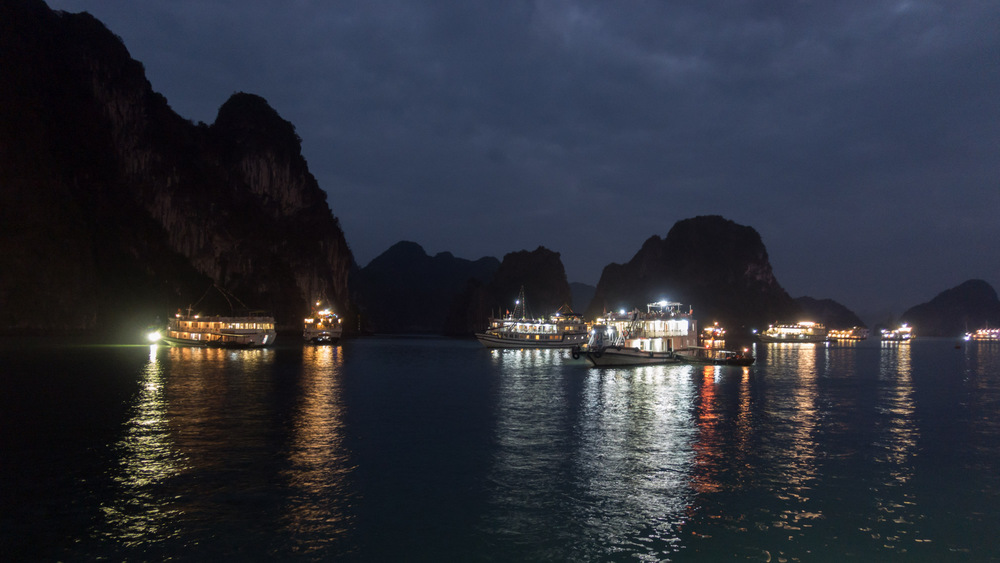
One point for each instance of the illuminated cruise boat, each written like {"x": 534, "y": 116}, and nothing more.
{"x": 904, "y": 333}
{"x": 802, "y": 332}
{"x": 517, "y": 330}
{"x": 712, "y": 334}
{"x": 853, "y": 333}
{"x": 323, "y": 327}
{"x": 250, "y": 331}
{"x": 985, "y": 335}
{"x": 635, "y": 338}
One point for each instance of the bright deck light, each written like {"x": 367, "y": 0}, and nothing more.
{"x": 154, "y": 336}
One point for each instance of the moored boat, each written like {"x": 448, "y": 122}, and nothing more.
{"x": 903, "y": 333}
{"x": 251, "y": 330}
{"x": 715, "y": 356}
{"x": 804, "y": 331}
{"x": 323, "y": 327}
{"x": 712, "y": 334}
{"x": 636, "y": 338}
{"x": 853, "y": 333}
{"x": 563, "y": 329}
{"x": 984, "y": 335}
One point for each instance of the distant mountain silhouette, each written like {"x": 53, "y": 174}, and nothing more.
{"x": 405, "y": 291}
{"x": 114, "y": 210}
{"x": 716, "y": 266}
{"x": 540, "y": 272}
{"x": 582, "y": 294}
{"x": 828, "y": 312}
{"x": 965, "y": 308}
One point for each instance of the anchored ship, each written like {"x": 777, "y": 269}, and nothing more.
{"x": 323, "y": 327}
{"x": 563, "y": 329}
{"x": 637, "y": 338}
{"x": 804, "y": 331}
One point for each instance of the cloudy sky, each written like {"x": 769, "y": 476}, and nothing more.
{"x": 861, "y": 139}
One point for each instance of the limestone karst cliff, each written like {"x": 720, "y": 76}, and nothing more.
{"x": 712, "y": 264}
{"x": 116, "y": 210}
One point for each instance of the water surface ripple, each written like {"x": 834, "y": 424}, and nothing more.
{"x": 436, "y": 449}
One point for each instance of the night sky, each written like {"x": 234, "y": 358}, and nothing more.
{"x": 861, "y": 139}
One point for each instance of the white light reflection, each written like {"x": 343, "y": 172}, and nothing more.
{"x": 793, "y": 447}
{"x": 637, "y": 456}
{"x": 598, "y": 457}
{"x": 533, "y": 452}
{"x": 894, "y": 517}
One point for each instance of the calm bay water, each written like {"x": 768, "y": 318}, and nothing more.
{"x": 435, "y": 449}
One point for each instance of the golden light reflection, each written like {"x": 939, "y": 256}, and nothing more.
{"x": 320, "y": 466}
{"x": 196, "y": 415}
{"x": 805, "y": 420}
{"x": 707, "y": 447}
{"x": 744, "y": 427}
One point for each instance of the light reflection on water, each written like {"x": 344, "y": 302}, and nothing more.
{"x": 636, "y": 457}
{"x": 811, "y": 452}
{"x": 179, "y": 441}
{"x": 198, "y": 455}
{"x": 605, "y": 466}
{"x": 791, "y": 446}
{"x": 319, "y": 471}
{"x": 139, "y": 514}
{"x": 432, "y": 449}
{"x": 895, "y": 513}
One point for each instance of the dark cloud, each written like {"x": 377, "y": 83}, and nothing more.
{"x": 862, "y": 139}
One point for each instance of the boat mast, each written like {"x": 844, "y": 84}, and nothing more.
{"x": 520, "y": 309}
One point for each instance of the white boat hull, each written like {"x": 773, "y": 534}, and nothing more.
{"x": 212, "y": 340}
{"x": 321, "y": 336}
{"x": 528, "y": 341}
{"x": 630, "y": 357}
{"x": 794, "y": 340}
